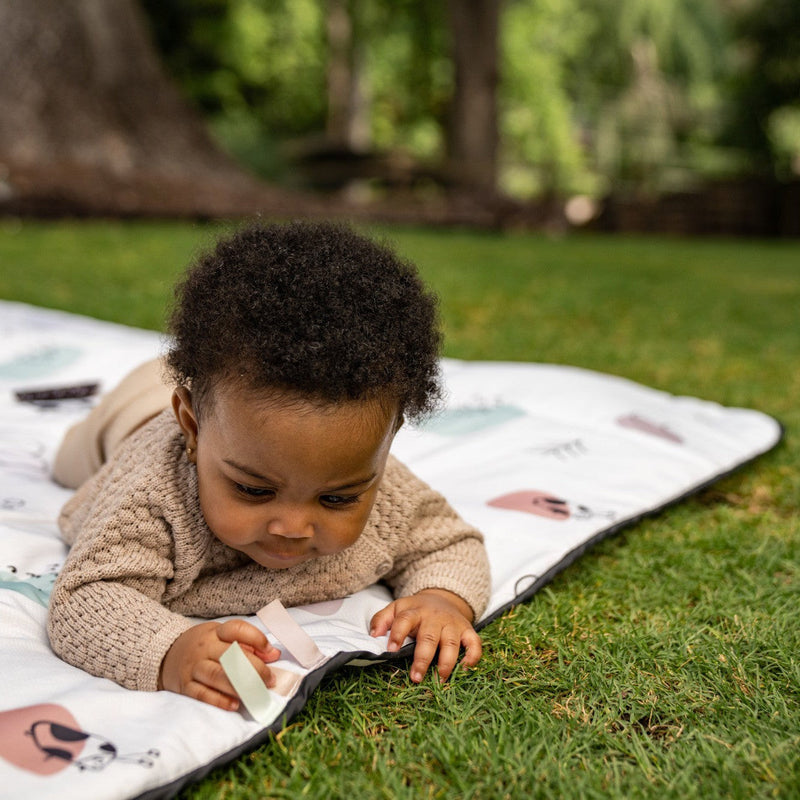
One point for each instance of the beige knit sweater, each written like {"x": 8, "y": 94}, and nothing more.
{"x": 142, "y": 557}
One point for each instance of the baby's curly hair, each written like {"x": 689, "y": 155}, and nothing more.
{"x": 313, "y": 309}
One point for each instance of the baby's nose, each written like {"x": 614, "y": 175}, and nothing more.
{"x": 291, "y": 523}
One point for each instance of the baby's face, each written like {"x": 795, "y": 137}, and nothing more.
{"x": 286, "y": 481}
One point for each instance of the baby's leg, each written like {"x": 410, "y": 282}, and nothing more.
{"x": 139, "y": 397}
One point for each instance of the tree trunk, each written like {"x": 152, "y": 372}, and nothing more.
{"x": 90, "y": 123}
{"x": 348, "y": 117}
{"x": 473, "y": 128}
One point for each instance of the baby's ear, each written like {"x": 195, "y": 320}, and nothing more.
{"x": 185, "y": 415}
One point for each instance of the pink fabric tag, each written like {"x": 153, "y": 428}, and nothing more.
{"x": 278, "y": 620}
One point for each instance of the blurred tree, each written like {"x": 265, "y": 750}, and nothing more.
{"x": 542, "y": 148}
{"x": 409, "y": 72}
{"x": 646, "y": 88}
{"x": 765, "y": 118}
{"x": 89, "y": 121}
{"x": 368, "y": 73}
{"x": 256, "y": 69}
{"x": 595, "y": 94}
{"x": 473, "y": 134}
{"x": 348, "y": 123}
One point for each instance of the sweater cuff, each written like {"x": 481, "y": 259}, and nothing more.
{"x": 150, "y": 665}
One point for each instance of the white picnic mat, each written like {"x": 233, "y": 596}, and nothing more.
{"x": 545, "y": 459}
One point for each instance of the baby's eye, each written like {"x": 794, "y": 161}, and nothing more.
{"x": 338, "y": 500}
{"x": 254, "y": 491}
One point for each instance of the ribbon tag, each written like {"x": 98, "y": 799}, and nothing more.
{"x": 257, "y": 699}
{"x": 278, "y": 620}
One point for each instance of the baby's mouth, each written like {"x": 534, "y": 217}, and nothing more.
{"x": 283, "y": 556}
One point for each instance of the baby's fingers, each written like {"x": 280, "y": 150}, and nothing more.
{"x": 430, "y": 638}
{"x": 404, "y": 624}
{"x": 473, "y": 648}
{"x": 381, "y": 623}
{"x": 268, "y": 656}
{"x": 239, "y": 630}
{"x": 450, "y": 640}
{"x": 251, "y": 639}
{"x": 210, "y": 684}
{"x": 199, "y": 691}
{"x": 397, "y": 621}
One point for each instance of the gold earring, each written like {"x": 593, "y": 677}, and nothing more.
{"x": 189, "y": 451}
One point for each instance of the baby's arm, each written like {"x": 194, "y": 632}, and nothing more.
{"x": 437, "y": 619}
{"x": 113, "y": 626}
{"x": 191, "y": 665}
{"x": 106, "y": 614}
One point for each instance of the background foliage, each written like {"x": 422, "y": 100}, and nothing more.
{"x": 594, "y": 95}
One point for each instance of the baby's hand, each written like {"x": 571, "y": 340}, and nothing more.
{"x": 191, "y": 666}
{"x": 436, "y": 619}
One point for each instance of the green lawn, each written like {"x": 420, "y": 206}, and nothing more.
{"x": 664, "y": 663}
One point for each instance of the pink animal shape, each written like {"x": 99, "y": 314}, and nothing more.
{"x": 548, "y": 505}
{"x": 543, "y": 504}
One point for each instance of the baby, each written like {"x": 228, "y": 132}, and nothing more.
{"x": 264, "y": 472}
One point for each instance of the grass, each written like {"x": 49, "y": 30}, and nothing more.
{"x": 665, "y": 661}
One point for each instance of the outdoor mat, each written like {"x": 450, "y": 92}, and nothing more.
{"x": 545, "y": 459}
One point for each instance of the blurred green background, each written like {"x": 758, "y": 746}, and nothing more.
{"x": 593, "y": 96}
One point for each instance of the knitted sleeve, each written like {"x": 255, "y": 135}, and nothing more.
{"x": 106, "y": 615}
{"x": 437, "y": 548}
